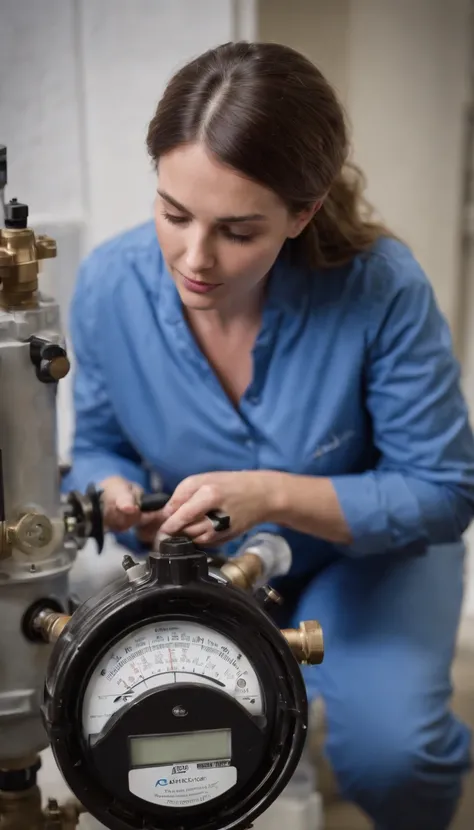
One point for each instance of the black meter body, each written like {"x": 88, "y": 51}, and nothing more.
{"x": 173, "y": 700}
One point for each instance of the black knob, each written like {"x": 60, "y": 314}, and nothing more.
{"x": 50, "y": 359}
{"x": 85, "y": 510}
{"x": 156, "y": 501}
{"x": 16, "y": 214}
{"x": 177, "y": 546}
{"x": 178, "y": 562}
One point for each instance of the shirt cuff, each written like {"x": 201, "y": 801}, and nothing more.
{"x": 381, "y": 513}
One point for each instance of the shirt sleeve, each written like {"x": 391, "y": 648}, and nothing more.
{"x": 99, "y": 448}
{"x": 421, "y": 491}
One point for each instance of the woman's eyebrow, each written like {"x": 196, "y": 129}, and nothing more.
{"x": 228, "y": 219}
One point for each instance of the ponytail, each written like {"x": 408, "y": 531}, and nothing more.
{"x": 344, "y": 225}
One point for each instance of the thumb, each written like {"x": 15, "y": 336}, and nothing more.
{"x": 126, "y": 500}
{"x": 122, "y": 493}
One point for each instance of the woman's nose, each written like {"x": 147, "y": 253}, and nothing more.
{"x": 199, "y": 255}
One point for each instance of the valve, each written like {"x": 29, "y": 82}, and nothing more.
{"x": 50, "y": 360}
{"x": 21, "y": 253}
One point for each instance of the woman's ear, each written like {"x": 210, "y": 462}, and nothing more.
{"x": 303, "y": 218}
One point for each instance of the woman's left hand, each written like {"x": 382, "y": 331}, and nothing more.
{"x": 245, "y": 496}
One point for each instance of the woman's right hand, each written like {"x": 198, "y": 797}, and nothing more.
{"x": 121, "y": 511}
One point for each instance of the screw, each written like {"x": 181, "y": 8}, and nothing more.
{"x": 179, "y": 711}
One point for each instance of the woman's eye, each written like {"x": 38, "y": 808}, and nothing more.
{"x": 238, "y": 237}
{"x": 241, "y": 238}
{"x": 175, "y": 220}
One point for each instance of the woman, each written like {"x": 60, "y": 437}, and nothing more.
{"x": 269, "y": 350}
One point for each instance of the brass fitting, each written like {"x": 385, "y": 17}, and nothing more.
{"x": 50, "y": 624}
{"x": 306, "y": 642}
{"x": 31, "y": 533}
{"x": 21, "y": 252}
{"x": 243, "y": 571}
{"x": 62, "y": 817}
{"x": 21, "y": 810}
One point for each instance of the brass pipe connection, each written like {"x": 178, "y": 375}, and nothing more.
{"x": 31, "y": 533}
{"x": 50, "y": 624}
{"x": 22, "y": 809}
{"x": 306, "y": 642}
{"x": 62, "y": 817}
{"x": 243, "y": 571}
{"x": 21, "y": 252}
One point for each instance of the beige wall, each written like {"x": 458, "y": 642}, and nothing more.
{"x": 317, "y": 28}
{"x": 401, "y": 69}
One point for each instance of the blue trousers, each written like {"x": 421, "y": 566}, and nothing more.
{"x": 390, "y": 627}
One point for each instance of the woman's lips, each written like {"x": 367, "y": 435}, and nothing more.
{"x": 198, "y": 287}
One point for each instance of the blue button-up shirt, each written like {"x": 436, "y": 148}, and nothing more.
{"x": 353, "y": 379}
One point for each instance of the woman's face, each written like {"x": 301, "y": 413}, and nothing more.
{"x": 219, "y": 232}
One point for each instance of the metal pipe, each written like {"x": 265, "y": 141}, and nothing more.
{"x": 50, "y": 624}
{"x": 306, "y": 642}
{"x": 243, "y": 571}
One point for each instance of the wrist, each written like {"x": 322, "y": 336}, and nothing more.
{"x": 276, "y": 496}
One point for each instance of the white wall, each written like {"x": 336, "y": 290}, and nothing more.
{"x": 79, "y": 81}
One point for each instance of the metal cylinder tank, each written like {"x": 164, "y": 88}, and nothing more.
{"x": 35, "y": 556}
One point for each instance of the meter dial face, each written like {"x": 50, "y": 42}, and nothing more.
{"x": 161, "y": 654}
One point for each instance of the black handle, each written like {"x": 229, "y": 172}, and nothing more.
{"x": 155, "y": 501}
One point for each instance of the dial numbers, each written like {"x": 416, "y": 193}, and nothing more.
{"x": 165, "y": 653}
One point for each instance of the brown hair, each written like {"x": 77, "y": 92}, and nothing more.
{"x": 267, "y": 111}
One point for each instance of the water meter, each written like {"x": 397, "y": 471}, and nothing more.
{"x": 173, "y": 700}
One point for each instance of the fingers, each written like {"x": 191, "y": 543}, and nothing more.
{"x": 119, "y": 503}
{"x": 183, "y": 492}
{"x": 149, "y": 525}
{"x": 192, "y": 511}
{"x": 201, "y": 531}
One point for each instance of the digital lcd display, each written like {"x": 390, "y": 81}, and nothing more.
{"x": 179, "y": 748}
